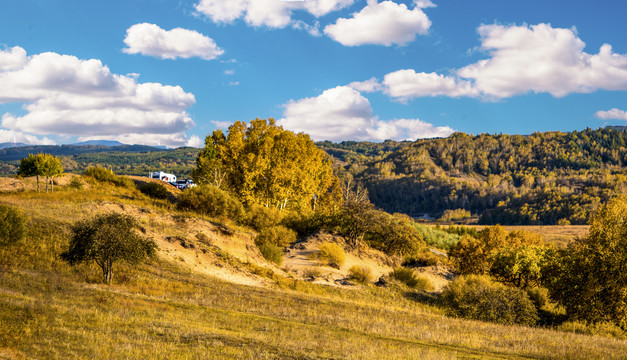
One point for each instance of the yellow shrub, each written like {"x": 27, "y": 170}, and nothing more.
{"x": 332, "y": 254}
{"x": 361, "y": 274}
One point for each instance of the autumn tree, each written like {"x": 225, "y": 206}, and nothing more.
{"x": 264, "y": 164}
{"x": 28, "y": 168}
{"x": 45, "y": 165}
{"x": 48, "y": 166}
{"x": 107, "y": 239}
{"x": 519, "y": 266}
{"x": 473, "y": 255}
{"x": 514, "y": 257}
{"x": 589, "y": 278}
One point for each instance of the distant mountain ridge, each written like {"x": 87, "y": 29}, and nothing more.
{"x": 10, "y": 145}
{"x": 19, "y": 152}
{"x": 100, "y": 142}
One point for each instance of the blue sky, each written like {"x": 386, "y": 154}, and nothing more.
{"x": 169, "y": 72}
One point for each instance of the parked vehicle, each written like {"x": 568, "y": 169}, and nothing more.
{"x": 162, "y": 176}
{"x": 184, "y": 184}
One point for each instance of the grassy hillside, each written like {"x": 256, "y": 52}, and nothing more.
{"x": 214, "y": 296}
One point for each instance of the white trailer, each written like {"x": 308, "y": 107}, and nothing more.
{"x": 162, "y": 176}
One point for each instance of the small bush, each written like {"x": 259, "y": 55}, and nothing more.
{"x": 271, "y": 252}
{"x": 12, "y": 225}
{"x": 212, "y": 201}
{"x": 203, "y": 238}
{"x": 455, "y": 215}
{"x": 539, "y": 296}
{"x": 76, "y": 183}
{"x": 104, "y": 175}
{"x": 262, "y": 217}
{"x": 311, "y": 273}
{"x": 360, "y": 274}
{"x": 423, "y": 283}
{"x": 332, "y": 254}
{"x": 305, "y": 223}
{"x": 405, "y": 275}
{"x": 154, "y": 190}
{"x": 601, "y": 328}
{"x": 477, "y": 297}
{"x": 422, "y": 260}
{"x": 276, "y": 235}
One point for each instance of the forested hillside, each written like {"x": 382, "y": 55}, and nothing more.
{"x": 543, "y": 178}
{"x": 126, "y": 159}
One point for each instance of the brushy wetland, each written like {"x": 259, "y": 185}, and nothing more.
{"x": 171, "y": 307}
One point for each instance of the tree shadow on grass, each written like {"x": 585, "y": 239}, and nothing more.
{"x": 425, "y": 297}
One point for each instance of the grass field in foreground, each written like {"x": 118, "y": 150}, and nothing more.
{"x": 49, "y": 310}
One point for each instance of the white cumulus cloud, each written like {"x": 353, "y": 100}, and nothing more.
{"x": 383, "y": 23}
{"x": 612, "y": 114}
{"x": 151, "y": 40}
{"x": 342, "y": 113}
{"x": 405, "y": 84}
{"x": 368, "y": 86}
{"x": 10, "y": 136}
{"x": 270, "y": 13}
{"x": 522, "y": 59}
{"x": 12, "y": 58}
{"x": 67, "y": 96}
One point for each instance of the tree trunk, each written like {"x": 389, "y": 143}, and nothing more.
{"x": 37, "y": 183}
{"x": 107, "y": 271}
{"x": 51, "y": 185}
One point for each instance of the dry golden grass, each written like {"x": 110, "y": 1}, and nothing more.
{"x": 551, "y": 234}
{"x": 167, "y": 310}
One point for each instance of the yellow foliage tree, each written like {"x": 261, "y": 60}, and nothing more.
{"x": 264, "y": 164}
{"x": 589, "y": 278}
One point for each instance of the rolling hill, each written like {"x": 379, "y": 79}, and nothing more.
{"x": 213, "y": 295}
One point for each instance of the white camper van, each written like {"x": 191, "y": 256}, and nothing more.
{"x": 162, "y": 176}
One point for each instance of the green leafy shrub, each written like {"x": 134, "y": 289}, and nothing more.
{"x": 360, "y": 274}
{"x": 12, "y": 224}
{"x": 276, "y": 235}
{"x": 154, "y": 190}
{"x": 212, "y": 201}
{"x": 262, "y": 217}
{"x": 392, "y": 234}
{"x": 405, "y": 275}
{"x": 271, "y": 252}
{"x": 104, "y": 175}
{"x": 332, "y": 254}
{"x": 478, "y": 297}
